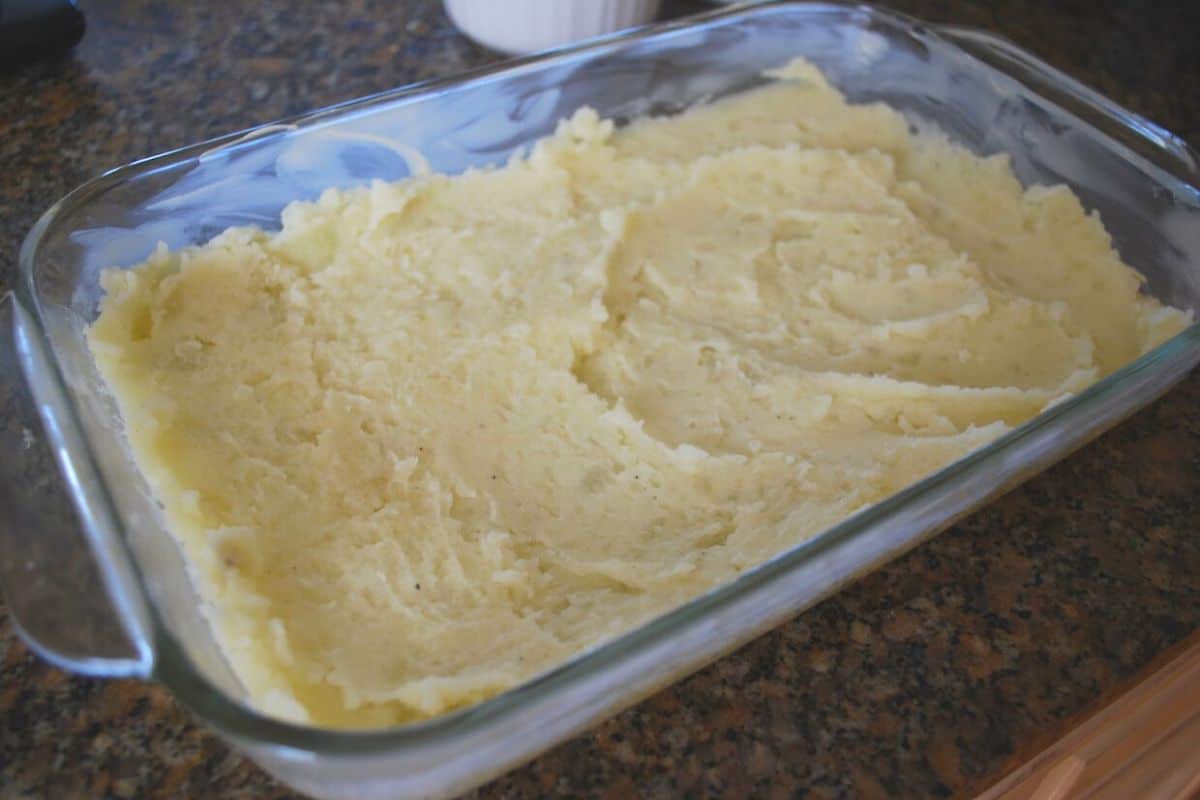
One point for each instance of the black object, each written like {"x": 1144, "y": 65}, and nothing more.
{"x": 34, "y": 29}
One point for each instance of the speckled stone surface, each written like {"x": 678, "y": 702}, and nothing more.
{"x": 928, "y": 678}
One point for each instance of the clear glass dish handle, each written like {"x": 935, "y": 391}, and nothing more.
{"x": 1161, "y": 147}
{"x": 71, "y": 594}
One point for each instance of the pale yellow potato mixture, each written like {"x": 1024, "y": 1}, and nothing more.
{"x": 437, "y": 436}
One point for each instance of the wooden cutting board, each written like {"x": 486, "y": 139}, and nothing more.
{"x": 1143, "y": 746}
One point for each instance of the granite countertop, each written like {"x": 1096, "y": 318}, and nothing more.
{"x": 930, "y": 677}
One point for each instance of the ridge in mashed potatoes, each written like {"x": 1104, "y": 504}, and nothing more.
{"x": 436, "y": 436}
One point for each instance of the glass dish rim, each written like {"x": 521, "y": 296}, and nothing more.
{"x": 172, "y": 667}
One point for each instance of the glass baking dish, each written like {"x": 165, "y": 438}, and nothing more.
{"x": 104, "y": 590}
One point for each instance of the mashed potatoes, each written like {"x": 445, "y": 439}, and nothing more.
{"x": 437, "y": 436}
